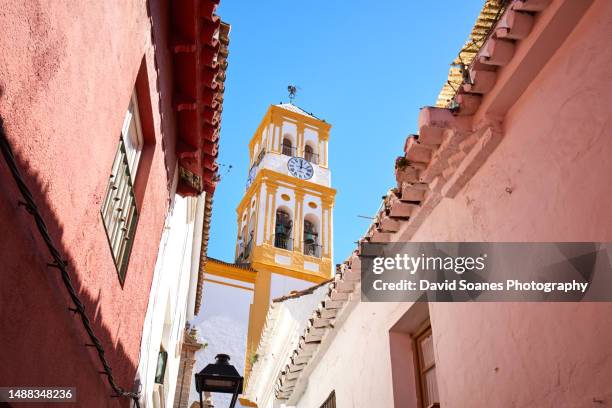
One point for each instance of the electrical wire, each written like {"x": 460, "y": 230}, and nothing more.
{"x": 60, "y": 264}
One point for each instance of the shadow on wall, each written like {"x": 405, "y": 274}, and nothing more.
{"x": 43, "y": 342}
{"x": 158, "y": 12}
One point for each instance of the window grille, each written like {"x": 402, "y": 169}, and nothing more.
{"x": 119, "y": 212}
{"x": 312, "y": 249}
{"x": 330, "y": 402}
{"x": 310, "y": 155}
{"x": 282, "y": 241}
{"x": 311, "y": 238}
{"x": 282, "y": 230}
{"x": 287, "y": 148}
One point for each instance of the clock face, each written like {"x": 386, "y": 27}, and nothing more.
{"x": 300, "y": 168}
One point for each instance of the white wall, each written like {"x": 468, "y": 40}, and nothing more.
{"x": 261, "y": 215}
{"x": 278, "y": 163}
{"x": 285, "y": 322}
{"x": 172, "y": 296}
{"x": 357, "y": 363}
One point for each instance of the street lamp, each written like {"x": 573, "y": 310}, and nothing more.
{"x": 219, "y": 377}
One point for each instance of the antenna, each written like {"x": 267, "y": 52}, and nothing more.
{"x": 292, "y": 89}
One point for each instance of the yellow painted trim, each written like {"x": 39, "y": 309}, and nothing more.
{"x": 316, "y": 123}
{"x": 266, "y": 216}
{"x": 299, "y": 210}
{"x": 229, "y": 271}
{"x": 257, "y": 136}
{"x": 273, "y": 179}
{"x": 330, "y": 232}
{"x": 256, "y": 215}
{"x": 232, "y": 285}
{"x": 246, "y": 198}
{"x": 303, "y": 274}
{"x": 327, "y": 207}
{"x": 273, "y": 213}
{"x": 299, "y": 148}
{"x": 326, "y": 193}
{"x": 263, "y": 258}
{"x": 245, "y": 402}
{"x": 264, "y": 254}
{"x": 275, "y": 115}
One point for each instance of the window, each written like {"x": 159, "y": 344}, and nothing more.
{"x": 330, "y": 402}
{"x": 132, "y": 135}
{"x": 287, "y": 147}
{"x": 160, "y": 371}
{"x": 426, "y": 368}
{"x": 310, "y": 155}
{"x": 119, "y": 212}
{"x": 282, "y": 230}
{"x": 311, "y": 239}
{"x": 245, "y": 244}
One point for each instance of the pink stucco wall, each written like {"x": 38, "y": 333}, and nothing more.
{"x": 550, "y": 179}
{"x": 555, "y": 157}
{"x": 66, "y": 75}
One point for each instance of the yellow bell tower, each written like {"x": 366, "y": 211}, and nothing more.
{"x": 285, "y": 217}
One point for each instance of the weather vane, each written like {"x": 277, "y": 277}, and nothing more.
{"x": 292, "y": 89}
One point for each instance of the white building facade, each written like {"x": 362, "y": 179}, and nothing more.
{"x": 171, "y": 302}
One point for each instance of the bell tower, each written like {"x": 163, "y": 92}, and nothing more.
{"x": 285, "y": 227}
{"x": 285, "y": 216}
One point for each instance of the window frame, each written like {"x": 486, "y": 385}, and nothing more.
{"x": 133, "y": 114}
{"x": 283, "y": 217}
{"x": 310, "y": 154}
{"x": 330, "y": 401}
{"x": 419, "y": 367}
{"x": 161, "y": 376}
{"x": 120, "y": 195}
{"x": 287, "y": 147}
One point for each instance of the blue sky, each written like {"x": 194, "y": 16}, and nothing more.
{"x": 365, "y": 67}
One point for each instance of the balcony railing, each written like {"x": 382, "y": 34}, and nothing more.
{"x": 292, "y": 152}
{"x": 288, "y": 150}
{"x": 311, "y": 157}
{"x": 283, "y": 242}
{"x": 312, "y": 249}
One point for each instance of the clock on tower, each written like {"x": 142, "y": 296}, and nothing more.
{"x": 285, "y": 218}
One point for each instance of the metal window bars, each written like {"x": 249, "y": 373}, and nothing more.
{"x": 288, "y": 150}
{"x": 283, "y": 242}
{"x": 119, "y": 212}
{"x": 292, "y": 152}
{"x": 311, "y": 157}
{"x": 312, "y": 249}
